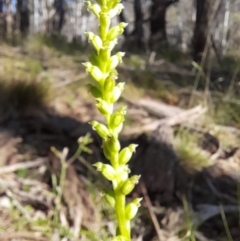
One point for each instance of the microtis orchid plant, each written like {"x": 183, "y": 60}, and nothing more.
{"x": 105, "y": 90}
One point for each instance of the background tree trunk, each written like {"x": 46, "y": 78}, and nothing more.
{"x": 9, "y": 18}
{"x": 2, "y": 20}
{"x": 203, "y": 12}
{"x": 225, "y": 27}
{"x": 138, "y": 24}
{"x": 158, "y": 22}
{"x": 23, "y": 21}
{"x": 1, "y": 6}
{"x": 35, "y": 26}
{"x": 60, "y": 10}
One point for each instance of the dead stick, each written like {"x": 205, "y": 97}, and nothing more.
{"x": 22, "y": 165}
{"x": 184, "y": 116}
{"x": 22, "y": 235}
{"x": 152, "y": 214}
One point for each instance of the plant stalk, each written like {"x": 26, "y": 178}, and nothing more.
{"x": 120, "y": 211}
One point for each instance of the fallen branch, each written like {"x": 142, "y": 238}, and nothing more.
{"x": 152, "y": 214}
{"x": 184, "y": 116}
{"x": 69, "y": 81}
{"x": 23, "y": 165}
{"x": 230, "y": 129}
{"x": 21, "y": 235}
{"x": 155, "y": 108}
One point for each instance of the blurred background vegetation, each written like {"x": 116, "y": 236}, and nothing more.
{"x": 183, "y": 27}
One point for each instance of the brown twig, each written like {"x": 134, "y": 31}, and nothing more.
{"x": 180, "y": 118}
{"x": 70, "y": 81}
{"x": 23, "y": 165}
{"x": 152, "y": 214}
{"x": 22, "y": 235}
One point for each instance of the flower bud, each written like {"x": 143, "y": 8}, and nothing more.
{"x": 93, "y": 7}
{"x": 107, "y": 171}
{"x": 129, "y": 184}
{"x": 114, "y": 32}
{"x": 116, "y": 10}
{"x": 111, "y": 148}
{"x": 110, "y": 155}
{"x": 132, "y": 208}
{"x": 117, "y": 92}
{"x": 94, "y": 40}
{"x": 110, "y": 199}
{"x": 117, "y": 117}
{"x": 94, "y": 71}
{"x": 109, "y": 83}
{"x": 112, "y": 44}
{"x": 118, "y": 129}
{"x": 113, "y": 144}
{"x": 124, "y": 173}
{"x": 94, "y": 59}
{"x": 126, "y": 154}
{"x": 101, "y": 129}
{"x": 115, "y": 60}
{"x": 94, "y": 91}
{"x": 103, "y": 106}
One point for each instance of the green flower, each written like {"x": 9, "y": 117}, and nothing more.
{"x": 118, "y": 117}
{"x": 116, "y": 10}
{"x": 126, "y": 154}
{"x": 94, "y": 40}
{"x": 104, "y": 107}
{"x": 117, "y": 92}
{"x": 114, "y": 32}
{"x": 129, "y": 184}
{"x": 109, "y": 84}
{"x": 113, "y": 144}
{"x": 132, "y": 208}
{"x": 110, "y": 198}
{"x": 107, "y": 171}
{"x": 112, "y": 44}
{"x": 94, "y": 91}
{"x": 93, "y": 7}
{"x": 101, "y": 129}
{"x": 115, "y": 60}
{"x": 94, "y": 71}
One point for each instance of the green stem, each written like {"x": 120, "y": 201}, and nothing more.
{"x": 120, "y": 211}
{"x": 60, "y": 191}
